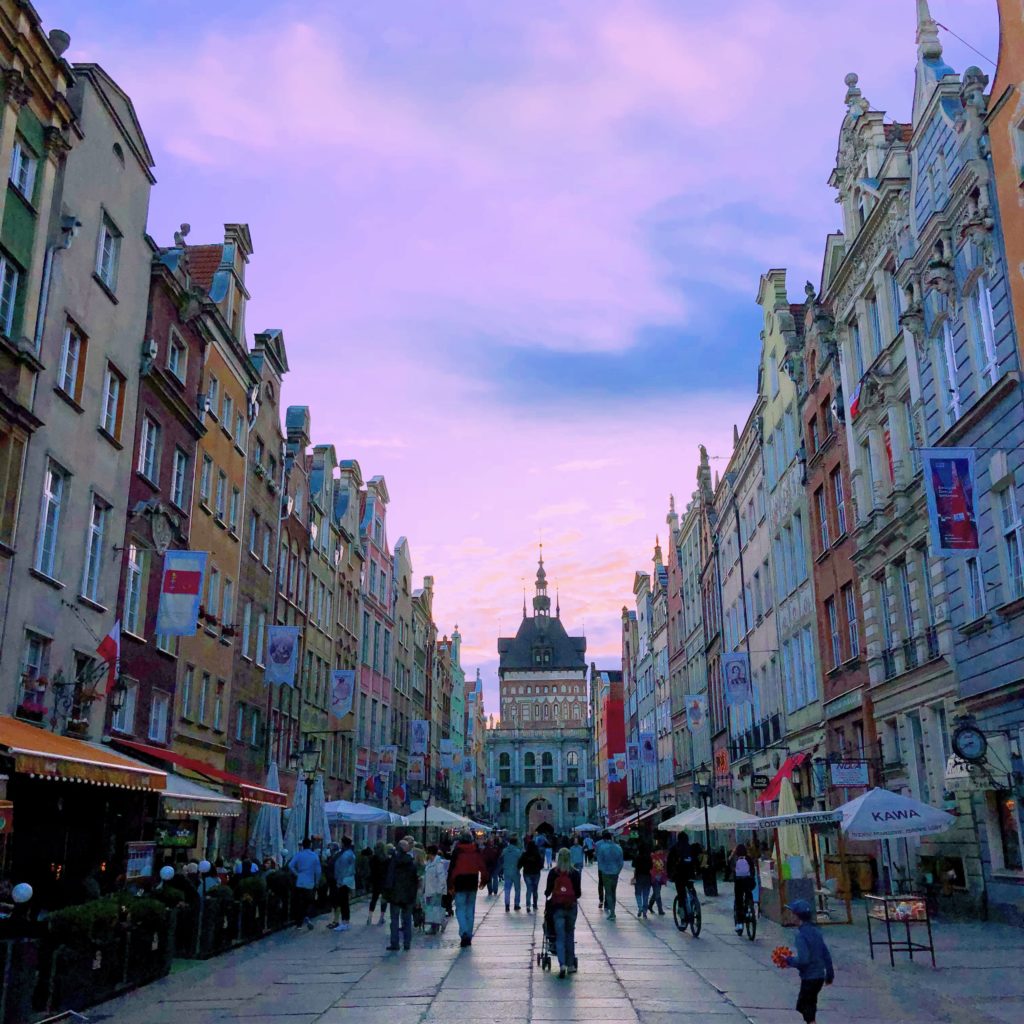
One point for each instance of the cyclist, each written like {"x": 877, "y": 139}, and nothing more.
{"x": 744, "y": 876}
{"x": 681, "y": 868}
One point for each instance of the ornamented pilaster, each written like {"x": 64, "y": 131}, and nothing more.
{"x": 16, "y": 89}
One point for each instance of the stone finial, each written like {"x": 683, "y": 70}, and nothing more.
{"x": 810, "y": 292}
{"x": 929, "y": 46}
{"x": 856, "y": 102}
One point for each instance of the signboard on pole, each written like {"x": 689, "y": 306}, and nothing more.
{"x": 949, "y": 489}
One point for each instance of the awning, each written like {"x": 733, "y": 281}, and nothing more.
{"x": 771, "y": 794}
{"x": 246, "y": 790}
{"x": 184, "y": 798}
{"x": 634, "y": 819}
{"x": 47, "y": 755}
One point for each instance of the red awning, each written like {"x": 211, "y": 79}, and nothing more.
{"x": 771, "y": 794}
{"x": 247, "y": 791}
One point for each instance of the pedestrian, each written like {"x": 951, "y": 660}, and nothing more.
{"x": 364, "y": 869}
{"x": 531, "y": 863}
{"x": 343, "y": 877}
{"x": 743, "y": 873}
{"x": 659, "y": 875}
{"x": 563, "y": 894}
{"x": 609, "y": 865}
{"x": 813, "y": 960}
{"x": 510, "y": 857}
{"x": 466, "y": 874}
{"x": 577, "y": 855}
{"x": 435, "y": 886}
{"x": 588, "y": 848}
{"x": 643, "y": 865}
{"x": 305, "y": 867}
{"x": 378, "y": 875}
{"x": 492, "y": 856}
{"x": 402, "y": 887}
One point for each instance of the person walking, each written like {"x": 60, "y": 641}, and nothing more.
{"x": 510, "y": 858}
{"x": 492, "y": 858}
{"x": 364, "y": 869}
{"x": 577, "y": 855}
{"x": 402, "y": 887}
{"x": 744, "y": 875}
{"x": 542, "y": 844}
{"x": 643, "y": 865}
{"x": 466, "y": 874}
{"x": 588, "y": 848}
{"x": 344, "y": 878}
{"x": 305, "y": 869}
{"x": 435, "y": 886}
{"x": 659, "y": 876}
{"x": 563, "y": 893}
{"x": 531, "y": 863}
{"x": 609, "y": 866}
{"x": 813, "y": 960}
{"x": 378, "y": 876}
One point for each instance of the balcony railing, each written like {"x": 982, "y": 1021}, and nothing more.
{"x": 910, "y": 653}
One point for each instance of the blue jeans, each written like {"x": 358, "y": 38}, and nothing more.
{"x": 643, "y": 893}
{"x": 405, "y": 913}
{"x": 565, "y": 935}
{"x": 492, "y": 883}
{"x": 510, "y": 884}
{"x": 655, "y": 900}
{"x": 465, "y": 912}
{"x": 532, "y": 882}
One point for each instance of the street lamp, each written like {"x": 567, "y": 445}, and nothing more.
{"x": 426, "y": 793}
{"x": 702, "y": 777}
{"x": 308, "y": 759}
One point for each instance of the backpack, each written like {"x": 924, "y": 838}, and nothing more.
{"x": 563, "y": 894}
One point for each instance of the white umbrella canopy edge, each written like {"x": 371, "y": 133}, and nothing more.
{"x": 359, "y": 814}
{"x": 720, "y": 817}
{"x": 587, "y": 827}
{"x": 882, "y": 814}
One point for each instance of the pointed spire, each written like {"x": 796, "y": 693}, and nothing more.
{"x": 929, "y": 46}
{"x": 657, "y": 551}
{"x": 672, "y": 503}
{"x": 558, "y": 606}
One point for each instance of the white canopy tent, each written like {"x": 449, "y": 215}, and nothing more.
{"x": 440, "y": 817}
{"x": 345, "y": 811}
{"x": 587, "y": 827}
{"x": 720, "y": 817}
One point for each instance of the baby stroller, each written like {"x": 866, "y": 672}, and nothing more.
{"x": 549, "y": 947}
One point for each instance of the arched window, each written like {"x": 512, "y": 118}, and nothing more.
{"x": 547, "y": 762}
{"x": 576, "y": 711}
{"x": 572, "y": 766}
{"x": 504, "y": 769}
{"x": 557, "y": 710}
{"x": 529, "y": 771}
{"x": 547, "y": 710}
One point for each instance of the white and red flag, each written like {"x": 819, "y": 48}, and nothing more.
{"x": 110, "y": 651}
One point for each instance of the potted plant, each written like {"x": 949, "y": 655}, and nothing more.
{"x": 257, "y": 468}
{"x": 77, "y": 727}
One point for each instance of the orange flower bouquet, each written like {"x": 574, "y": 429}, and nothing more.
{"x": 780, "y": 955}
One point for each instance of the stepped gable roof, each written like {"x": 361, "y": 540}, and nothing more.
{"x": 567, "y": 652}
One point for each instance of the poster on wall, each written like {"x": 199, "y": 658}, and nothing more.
{"x": 282, "y": 654}
{"x": 140, "y": 858}
{"x": 696, "y": 712}
{"x": 417, "y": 768}
{"x": 343, "y": 689}
{"x": 420, "y": 734}
{"x": 387, "y": 758}
{"x": 952, "y": 510}
{"x": 181, "y": 588}
{"x": 447, "y": 754}
{"x": 648, "y": 751}
{"x": 736, "y": 673}
{"x": 620, "y": 766}
{"x": 632, "y": 754}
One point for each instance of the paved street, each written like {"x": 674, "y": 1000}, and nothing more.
{"x": 631, "y": 971}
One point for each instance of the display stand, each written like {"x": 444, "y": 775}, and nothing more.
{"x": 899, "y": 914}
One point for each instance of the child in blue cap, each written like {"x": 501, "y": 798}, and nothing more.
{"x": 813, "y": 960}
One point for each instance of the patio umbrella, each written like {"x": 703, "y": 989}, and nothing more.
{"x": 266, "y": 839}
{"x": 879, "y": 814}
{"x": 338, "y": 811}
{"x": 720, "y": 817}
{"x": 792, "y": 838}
{"x": 587, "y": 827}
{"x": 319, "y": 823}
{"x": 439, "y": 816}
{"x": 295, "y": 827}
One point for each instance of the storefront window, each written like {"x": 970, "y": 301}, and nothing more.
{"x": 1010, "y": 838}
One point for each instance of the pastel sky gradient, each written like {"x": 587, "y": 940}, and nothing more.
{"x": 513, "y": 247}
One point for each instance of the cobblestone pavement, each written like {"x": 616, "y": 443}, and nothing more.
{"x": 631, "y": 971}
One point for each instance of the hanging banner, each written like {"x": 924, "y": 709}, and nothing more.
{"x": 417, "y": 768}
{"x": 387, "y": 759}
{"x": 620, "y": 766}
{"x": 632, "y": 754}
{"x": 588, "y": 788}
{"x": 613, "y": 775}
{"x": 181, "y": 589}
{"x": 447, "y": 754}
{"x": 489, "y": 784}
{"x": 282, "y": 654}
{"x": 949, "y": 488}
{"x": 648, "y": 751}
{"x": 736, "y": 672}
{"x": 721, "y": 762}
{"x": 696, "y": 712}
{"x": 497, "y": 793}
{"x": 343, "y": 689}
{"x": 469, "y": 765}
{"x": 362, "y": 763}
{"x": 849, "y": 773}
{"x": 420, "y": 735}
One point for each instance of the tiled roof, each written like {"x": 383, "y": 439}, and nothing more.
{"x": 203, "y": 261}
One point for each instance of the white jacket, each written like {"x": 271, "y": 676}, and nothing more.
{"x": 435, "y": 877}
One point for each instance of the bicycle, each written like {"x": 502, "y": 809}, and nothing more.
{"x": 686, "y": 912}
{"x": 750, "y": 915}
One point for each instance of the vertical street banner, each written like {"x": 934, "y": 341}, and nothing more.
{"x": 588, "y": 788}
{"x": 420, "y": 733}
{"x": 468, "y": 766}
{"x": 417, "y": 768}
{"x": 181, "y": 589}
{"x": 387, "y": 758}
{"x": 613, "y": 775}
{"x": 343, "y": 689}
{"x": 497, "y": 793}
{"x": 447, "y": 754}
{"x": 736, "y": 672}
{"x": 696, "y": 712}
{"x": 952, "y": 510}
{"x": 648, "y": 751}
{"x": 489, "y": 783}
{"x": 620, "y": 767}
{"x": 362, "y": 763}
{"x": 632, "y": 754}
{"x": 282, "y": 654}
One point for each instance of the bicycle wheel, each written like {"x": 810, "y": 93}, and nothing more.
{"x": 695, "y": 920}
{"x": 751, "y": 920}
{"x": 678, "y": 914}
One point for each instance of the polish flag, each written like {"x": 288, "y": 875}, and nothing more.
{"x": 110, "y": 651}
{"x": 398, "y": 793}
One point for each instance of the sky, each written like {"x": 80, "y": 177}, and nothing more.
{"x": 513, "y": 247}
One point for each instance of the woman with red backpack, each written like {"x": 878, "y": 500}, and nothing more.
{"x": 563, "y": 894}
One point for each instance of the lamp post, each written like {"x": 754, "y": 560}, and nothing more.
{"x": 308, "y": 759}
{"x": 702, "y": 777}
{"x": 427, "y": 793}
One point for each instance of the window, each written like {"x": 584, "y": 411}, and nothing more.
{"x": 149, "y": 449}
{"x": 177, "y": 356}
{"x": 857, "y": 349}
{"x": 869, "y": 473}
{"x": 213, "y": 395}
{"x": 981, "y": 321}
{"x": 240, "y": 723}
{"x": 204, "y": 698}
{"x": 134, "y": 575}
{"x": 239, "y": 430}
{"x": 108, "y": 253}
{"x": 221, "y": 497}
{"x": 261, "y": 625}
{"x": 254, "y": 728}
{"x": 54, "y": 487}
{"x": 12, "y": 449}
{"x": 8, "y": 294}
{"x": 94, "y": 544}
{"x": 874, "y": 326}
{"x": 1013, "y": 540}
{"x": 911, "y": 429}
{"x": 227, "y": 612}
{"x": 895, "y": 302}
{"x": 158, "y": 711}
{"x": 23, "y": 168}
{"x": 266, "y": 545}
{"x": 945, "y": 372}
{"x": 376, "y": 647}
{"x": 883, "y": 611}
{"x": 254, "y": 531}
{"x": 123, "y": 719}
{"x": 167, "y": 644}
{"x": 975, "y": 589}
{"x": 71, "y": 374}
{"x": 186, "y": 692}
{"x": 850, "y": 601}
{"x": 572, "y": 766}
{"x": 213, "y": 593}
{"x": 233, "y": 506}
{"x": 833, "y": 629}
{"x": 218, "y": 707}
{"x": 205, "y": 476}
{"x": 246, "y": 629}
{"x": 227, "y": 413}
{"x": 113, "y": 402}
{"x": 906, "y": 604}
{"x": 822, "y": 517}
{"x": 815, "y": 438}
{"x": 179, "y": 475}
{"x": 1005, "y": 813}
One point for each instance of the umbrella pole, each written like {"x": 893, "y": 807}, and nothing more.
{"x": 781, "y": 878}
{"x": 844, "y": 873}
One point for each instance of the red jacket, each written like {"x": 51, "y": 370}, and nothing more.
{"x": 467, "y": 871}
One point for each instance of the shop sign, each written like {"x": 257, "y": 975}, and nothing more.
{"x": 962, "y": 777}
{"x": 176, "y": 835}
{"x": 760, "y": 781}
{"x": 845, "y": 702}
{"x": 849, "y": 773}
{"x": 140, "y": 860}
{"x": 6, "y": 818}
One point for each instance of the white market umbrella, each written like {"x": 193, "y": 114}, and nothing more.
{"x": 439, "y": 816}
{"x": 587, "y": 827}
{"x": 792, "y": 838}
{"x": 319, "y": 823}
{"x": 879, "y": 814}
{"x": 266, "y": 839}
{"x": 295, "y": 827}
{"x": 721, "y": 817}
{"x": 338, "y": 811}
